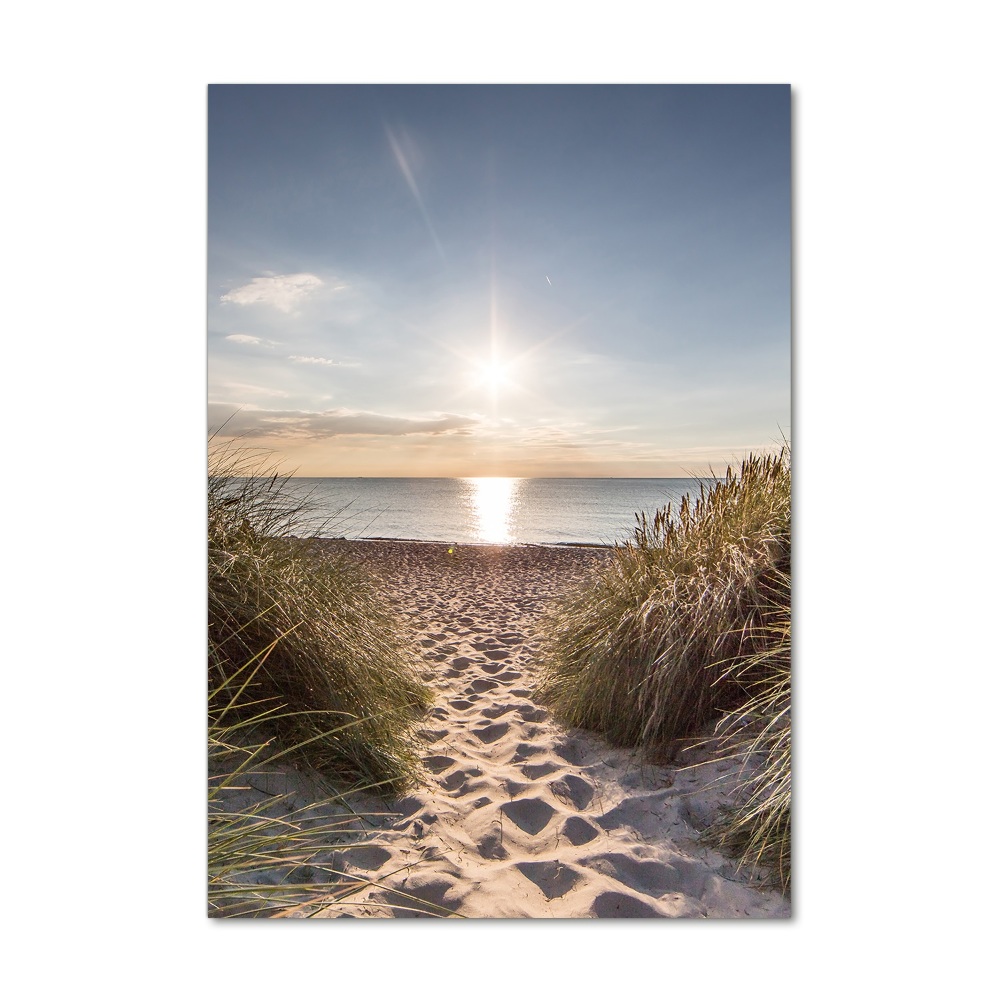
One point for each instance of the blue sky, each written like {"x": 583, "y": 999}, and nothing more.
{"x": 500, "y": 280}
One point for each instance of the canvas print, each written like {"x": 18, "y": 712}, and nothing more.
{"x": 499, "y": 501}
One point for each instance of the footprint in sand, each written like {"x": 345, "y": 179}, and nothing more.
{"x": 367, "y": 858}
{"x": 430, "y": 887}
{"x": 471, "y": 786}
{"x": 652, "y": 878}
{"x": 552, "y": 877}
{"x": 529, "y": 815}
{"x": 570, "y": 751}
{"x": 532, "y": 714}
{"x": 618, "y": 904}
{"x": 491, "y": 848}
{"x": 536, "y": 771}
{"x": 438, "y": 763}
{"x": 495, "y": 711}
{"x": 637, "y": 810}
{"x": 458, "y": 780}
{"x": 490, "y": 734}
{"x": 480, "y": 685}
{"x": 573, "y": 790}
{"x": 513, "y": 788}
{"x": 408, "y": 806}
{"x": 508, "y": 676}
{"x": 432, "y": 735}
{"x": 525, "y": 751}
{"x": 420, "y": 824}
{"x": 578, "y": 831}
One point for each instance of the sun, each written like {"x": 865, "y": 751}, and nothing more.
{"x": 493, "y": 375}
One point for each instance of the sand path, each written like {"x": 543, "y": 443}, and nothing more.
{"x": 519, "y": 817}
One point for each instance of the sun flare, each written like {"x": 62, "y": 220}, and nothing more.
{"x": 492, "y": 375}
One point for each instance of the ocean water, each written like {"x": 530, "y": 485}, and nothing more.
{"x": 488, "y": 510}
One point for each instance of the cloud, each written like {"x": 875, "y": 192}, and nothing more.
{"x": 252, "y": 422}
{"x": 282, "y": 291}
{"x": 246, "y": 338}
{"x": 259, "y": 390}
{"x": 302, "y": 360}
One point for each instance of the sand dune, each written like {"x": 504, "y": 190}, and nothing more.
{"x": 518, "y": 817}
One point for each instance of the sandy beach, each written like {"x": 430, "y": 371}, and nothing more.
{"x": 517, "y": 816}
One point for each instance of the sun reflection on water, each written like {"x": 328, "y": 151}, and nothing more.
{"x": 493, "y": 500}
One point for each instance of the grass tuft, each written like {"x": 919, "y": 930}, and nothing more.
{"x": 689, "y": 625}
{"x": 308, "y": 672}
{"x": 336, "y": 658}
{"x": 758, "y": 736}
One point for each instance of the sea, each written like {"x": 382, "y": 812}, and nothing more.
{"x": 488, "y": 510}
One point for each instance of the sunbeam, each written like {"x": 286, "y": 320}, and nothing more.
{"x": 411, "y": 182}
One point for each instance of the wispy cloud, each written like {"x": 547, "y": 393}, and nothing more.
{"x": 246, "y": 338}
{"x": 259, "y": 390}
{"x": 303, "y": 360}
{"x": 260, "y": 423}
{"x": 283, "y": 291}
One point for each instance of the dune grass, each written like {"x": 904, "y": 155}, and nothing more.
{"x": 307, "y": 669}
{"x": 689, "y": 625}
{"x": 337, "y": 660}
{"x": 757, "y": 736}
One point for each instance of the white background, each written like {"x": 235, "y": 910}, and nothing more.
{"x": 895, "y": 320}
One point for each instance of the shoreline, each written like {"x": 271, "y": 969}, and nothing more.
{"x": 475, "y": 544}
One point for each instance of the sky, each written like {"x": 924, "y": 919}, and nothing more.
{"x": 500, "y": 280}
